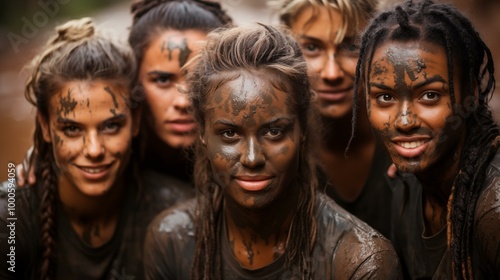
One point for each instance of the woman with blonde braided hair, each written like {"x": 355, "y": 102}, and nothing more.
{"x": 427, "y": 76}
{"x": 87, "y": 216}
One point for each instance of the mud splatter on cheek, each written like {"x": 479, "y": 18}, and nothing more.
{"x": 284, "y": 150}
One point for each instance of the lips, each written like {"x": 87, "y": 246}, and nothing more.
{"x": 411, "y": 146}
{"x": 253, "y": 183}
{"x": 333, "y": 95}
{"x": 94, "y": 172}
{"x": 182, "y": 125}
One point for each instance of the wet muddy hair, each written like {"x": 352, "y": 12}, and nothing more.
{"x": 151, "y": 17}
{"x": 353, "y": 12}
{"x": 76, "y": 52}
{"x": 466, "y": 52}
{"x": 258, "y": 49}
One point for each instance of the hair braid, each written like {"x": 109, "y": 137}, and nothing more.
{"x": 46, "y": 171}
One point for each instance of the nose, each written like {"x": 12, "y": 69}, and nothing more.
{"x": 332, "y": 69}
{"x": 181, "y": 100}
{"x": 93, "y": 145}
{"x": 406, "y": 119}
{"x": 253, "y": 156}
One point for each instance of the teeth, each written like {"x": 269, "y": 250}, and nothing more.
{"x": 93, "y": 170}
{"x": 411, "y": 145}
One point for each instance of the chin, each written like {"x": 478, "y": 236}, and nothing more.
{"x": 180, "y": 141}
{"x": 95, "y": 189}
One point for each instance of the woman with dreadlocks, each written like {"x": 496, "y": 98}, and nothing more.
{"x": 426, "y": 76}
{"x": 87, "y": 217}
{"x": 327, "y": 32}
{"x": 258, "y": 214}
{"x": 165, "y": 35}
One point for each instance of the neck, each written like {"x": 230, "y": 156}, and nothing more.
{"x": 338, "y": 132}
{"x": 160, "y": 154}
{"x": 258, "y": 236}
{"x": 437, "y": 182}
{"x": 79, "y": 206}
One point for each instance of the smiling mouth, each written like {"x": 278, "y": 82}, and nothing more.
{"x": 411, "y": 145}
{"x": 94, "y": 172}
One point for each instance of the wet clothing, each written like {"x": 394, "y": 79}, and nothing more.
{"x": 373, "y": 205}
{"x": 427, "y": 257}
{"x": 119, "y": 258}
{"x": 346, "y": 248}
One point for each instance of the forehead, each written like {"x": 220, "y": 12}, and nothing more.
{"x": 410, "y": 59}
{"x": 94, "y": 98}
{"x": 325, "y": 23}
{"x": 248, "y": 94}
{"x": 173, "y": 43}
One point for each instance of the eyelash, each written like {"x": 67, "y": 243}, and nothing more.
{"x": 74, "y": 130}
{"x": 162, "y": 79}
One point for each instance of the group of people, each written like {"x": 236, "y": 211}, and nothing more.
{"x": 209, "y": 151}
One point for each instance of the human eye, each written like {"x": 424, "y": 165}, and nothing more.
{"x": 71, "y": 130}
{"x": 274, "y": 133}
{"x": 430, "y": 97}
{"x": 111, "y": 127}
{"x": 229, "y": 134}
{"x": 161, "y": 79}
{"x": 349, "y": 49}
{"x": 310, "y": 49}
{"x": 385, "y": 99}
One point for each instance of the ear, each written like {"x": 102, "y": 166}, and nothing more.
{"x": 136, "y": 121}
{"x": 45, "y": 127}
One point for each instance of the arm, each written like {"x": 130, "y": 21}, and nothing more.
{"x": 380, "y": 265}
{"x": 169, "y": 246}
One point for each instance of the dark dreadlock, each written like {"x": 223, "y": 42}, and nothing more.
{"x": 260, "y": 48}
{"x": 467, "y": 53}
{"x": 75, "y": 53}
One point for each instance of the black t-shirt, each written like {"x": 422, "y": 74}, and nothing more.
{"x": 427, "y": 257}
{"x": 373, "y": 205}
{"x": 119, "y": 258}
{"x": 346, "y": 248}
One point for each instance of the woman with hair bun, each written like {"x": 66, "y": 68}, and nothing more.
{"x": 86, "y": 218}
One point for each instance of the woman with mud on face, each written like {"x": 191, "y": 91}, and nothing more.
{"x": 427, "y": 76}
{"x": 327, "y": 32}
{"x": 87, "y": 217}
{"x": 258, "y": 214}
{"x": 165, "y": 35}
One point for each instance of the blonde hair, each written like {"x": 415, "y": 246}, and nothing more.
{"x": 353, "y": 12}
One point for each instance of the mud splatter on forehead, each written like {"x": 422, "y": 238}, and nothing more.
{"x": 67, "y": 103}
{"x": 404, "y": 62}
{"x": 184, "y": 50}
{"x": 113, "y": 96}
{"x": 238, "y": 99}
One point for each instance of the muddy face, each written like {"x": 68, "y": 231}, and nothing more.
{"x": 331, "y": 65}
{"x": 409, "y": 105}
{"x": 252, "y": 138}
{"x": 161, "y": 76}
{"x": 90, "y": 127}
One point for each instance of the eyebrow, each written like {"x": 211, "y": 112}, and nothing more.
{"x": 274, "y": 120}
{"x": 427, "y": 81}
{"x": 314, "y": 39}
{"x": 118, "y": 117}
{"x": 157, "y": 72}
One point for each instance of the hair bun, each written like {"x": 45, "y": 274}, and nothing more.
{"x": 75, "y": 30}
